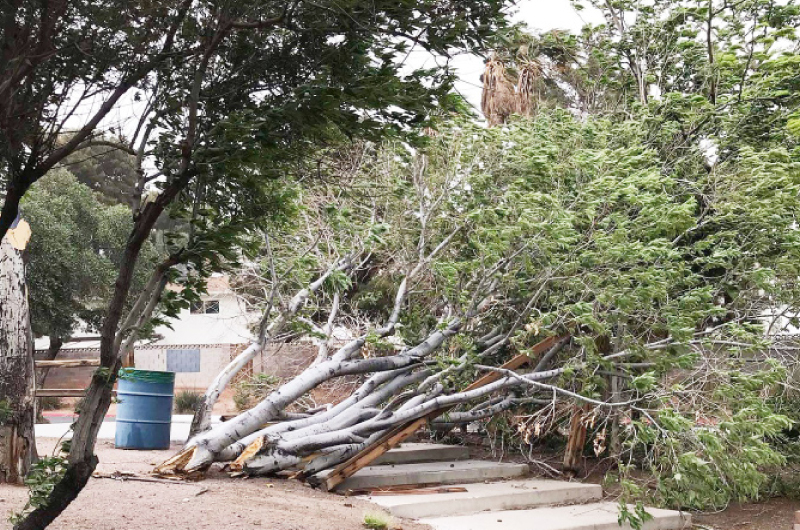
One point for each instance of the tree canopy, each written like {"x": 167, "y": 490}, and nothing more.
{"x": 74, "y": 252}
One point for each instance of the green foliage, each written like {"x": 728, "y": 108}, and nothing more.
{"x": 636, "y": 519}
{"x": 6, "y": 411}
{"x": 377, "y": 521}
{"x": 707, "y": 458}
{"x": 108, "y": 171}
{"x": 615, "y": 238}
{"x": 75, "y": 249}
{"x": 41, "y": 480}
{"x": 253, "y": 389}
{"x": 186, "y": 401}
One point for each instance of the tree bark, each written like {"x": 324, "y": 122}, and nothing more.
{"x": 201, "y": 422}
{"x": 17, "y": 385}
{"x": 42, "y": 372}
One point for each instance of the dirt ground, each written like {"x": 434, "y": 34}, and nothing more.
{"x": 272, "y": 504}
{"x": 772, "y": 514}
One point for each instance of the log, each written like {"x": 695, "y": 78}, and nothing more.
{"x": 62, "y": 392}
{"x": 396, "y": 436}
{"x": 67, "y": 363}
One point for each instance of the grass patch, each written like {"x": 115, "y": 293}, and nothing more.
{"x": 50, "y": 403}
{"x": 186, "y": 401}
{"x": 378, "y": 521}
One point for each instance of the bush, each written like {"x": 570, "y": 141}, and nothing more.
{"x": 50, "y": 403}
{"x": 186, "y": 401}
{"x": 253, "y": 389}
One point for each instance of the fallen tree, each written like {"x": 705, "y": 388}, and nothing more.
{"x": 658, "y": 331}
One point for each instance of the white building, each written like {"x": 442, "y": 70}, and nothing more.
{"x": 196, "y": 345}
{"x": 202, "y": 340}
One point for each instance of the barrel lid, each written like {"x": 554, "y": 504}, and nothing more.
{"x": 146, "y": 376}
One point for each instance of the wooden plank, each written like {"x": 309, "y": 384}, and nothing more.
{"x": 67, "y": 363}
{"x": 397, "y": 435}
{"x": 60, "y": 392}
{"x": 516, "y": 362}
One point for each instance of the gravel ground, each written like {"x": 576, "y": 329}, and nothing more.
{"x": 272, "y": 504}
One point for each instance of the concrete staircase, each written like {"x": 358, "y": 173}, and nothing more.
{"x": 485, "y": 499}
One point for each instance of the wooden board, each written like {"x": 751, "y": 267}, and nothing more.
{"x": 397, "y": 435}
{"x": 67, "y": 363}
{"x": 62, "y": 392}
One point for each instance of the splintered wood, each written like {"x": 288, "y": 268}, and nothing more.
{"x": 395, "y": 436}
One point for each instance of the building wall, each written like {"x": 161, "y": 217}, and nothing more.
{"x": 281, "y": 360}
{"x": 212, "y": 360}
{"x": 285, "y": 360}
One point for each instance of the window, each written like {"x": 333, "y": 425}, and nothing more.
{"x": 209, "y": 307}
{"x": 183, "y": 360}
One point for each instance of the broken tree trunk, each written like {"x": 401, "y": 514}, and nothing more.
{"x": 577, "y": 439}
{"x": 17, "y": 386}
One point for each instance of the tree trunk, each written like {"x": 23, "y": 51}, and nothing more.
{"x": 42, "y": 372}
{"x": 577, "y": 439}
{"x": 17, "y": 387}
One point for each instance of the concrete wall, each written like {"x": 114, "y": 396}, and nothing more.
{"x": 281, "y": 360}
{"x": 285, "y": 360}
{"x": 212, "y": 360}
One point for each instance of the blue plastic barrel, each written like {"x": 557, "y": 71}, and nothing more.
{"x": 144, "y": 412}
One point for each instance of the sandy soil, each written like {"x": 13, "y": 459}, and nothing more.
{"x": 272, "y": 504}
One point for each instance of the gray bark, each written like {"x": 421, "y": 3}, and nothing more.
{"x": 202, "y": 416}
{"x": 17, "y": 376}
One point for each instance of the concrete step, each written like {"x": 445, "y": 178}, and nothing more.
{"x": 511, "y": 495}
{"x": 432, "y": 473}
{"x": 596, "y": 516}
{"x": 414, "y": 453}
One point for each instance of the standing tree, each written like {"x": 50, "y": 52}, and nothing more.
{"x": 17, "y": 414}
{"x": 235, "y": 95}
{"x": 106, "y": 169}
{"x": 75, "y": 249}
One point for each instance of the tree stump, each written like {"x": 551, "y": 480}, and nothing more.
{"x": 576, "y": 440}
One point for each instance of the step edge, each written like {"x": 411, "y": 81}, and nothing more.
{"x": 404, "y": 510}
